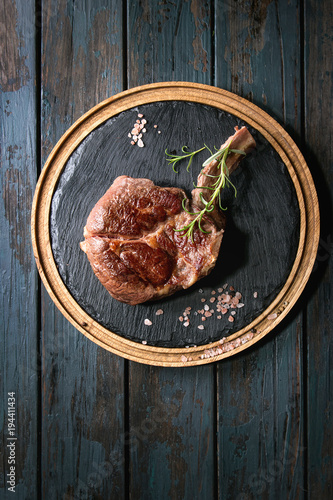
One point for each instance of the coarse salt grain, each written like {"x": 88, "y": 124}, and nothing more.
{"x": 255, "y": 295}
{"x": 136, "y": 133}
{"x": 159, "y": 312}
{"x": 272, "y": 316}
{"x": 201, "y": 327}
{"x": 147, "y": 322}
{"x": 144, "y": 342}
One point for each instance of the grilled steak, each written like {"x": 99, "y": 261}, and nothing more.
{"x": 130, "y": 237}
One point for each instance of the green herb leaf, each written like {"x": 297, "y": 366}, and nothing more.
{"x": 173, "y": 158}
{"x": 222, "y": 180}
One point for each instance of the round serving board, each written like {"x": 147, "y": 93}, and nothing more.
{"x": 267, "y": 252}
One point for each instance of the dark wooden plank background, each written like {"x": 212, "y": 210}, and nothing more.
{"x": 90, "y": 425}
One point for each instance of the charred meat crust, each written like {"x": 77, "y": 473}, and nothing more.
{"x": 132, "y": 242}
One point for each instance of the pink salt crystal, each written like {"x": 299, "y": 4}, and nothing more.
{"x": 140, "y": 115}
{"x": 272, "y": 316}
{"x": 231, "y": 319}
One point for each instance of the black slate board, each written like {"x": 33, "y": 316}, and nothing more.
{"x": 259, "y": 246}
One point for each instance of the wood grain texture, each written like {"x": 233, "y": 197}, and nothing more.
{"x": 257, "y": 425}
{"x": 178, "y": 462}
{"x": 169, "y": 40}
{"x": 318, "y": 96}
{"x": 279, "y": 302}
{"x": 19, "y": 303}
{"x": 83, "y": 386}
{"x": 261, "y": 412}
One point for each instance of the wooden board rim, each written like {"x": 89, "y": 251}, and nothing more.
{"x": 211, "y": 96}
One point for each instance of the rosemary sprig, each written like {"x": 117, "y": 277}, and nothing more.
{"x": 173, "y": 159}
{"x": 222, "y": 180}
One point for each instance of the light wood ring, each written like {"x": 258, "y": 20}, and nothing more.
{"x": 273, "y": 133}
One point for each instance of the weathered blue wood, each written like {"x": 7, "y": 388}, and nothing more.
{"x": 318, "y": 100}
{"x": 169, "y": 41}
{"x": 19, "y": 285}
{"x": 83, "y": 434}
{"x": 261, "y": 407}
{"x": 151, "y": 432}
{"x": 171, "y": 411}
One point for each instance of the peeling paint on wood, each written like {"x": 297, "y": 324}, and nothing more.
{"x": 18, "y": 307}
{"x": 14, "y": 71}
{"x": 17, "y": 198}
{"x": 255, "y": 426}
